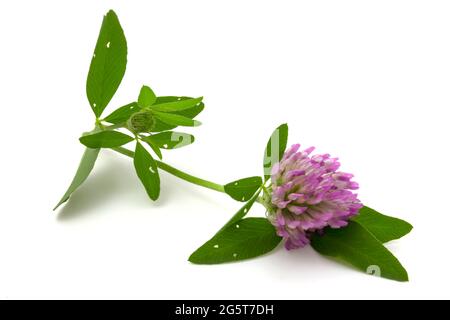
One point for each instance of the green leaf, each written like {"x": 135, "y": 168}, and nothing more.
{"x": 108, "y": 64}
{"x": 84, "y": 169}
{"x": 357, "y": 246}
{"x": 243, "y": 189}
{"x": 176, "y": 120}
{"x": 105, "y": 139}
{"x": 122, "y": 114}
{"x": 154, "y": 146}
{"x": 147, "y": 171}
{"x": 242, "y": 211}
{"x": 189, "y": 113}
{"x": 178, "y": 105}
{"x": 146, "y": 97}
{"x": 170, "y": 139}
{"x": 275, "y": 148}
{"x": 383, "y": 227}
{"x": 248, "y": 238}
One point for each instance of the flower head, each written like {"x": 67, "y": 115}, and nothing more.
{"x": 309, "y": 194}
{"x": 142, "y": 121}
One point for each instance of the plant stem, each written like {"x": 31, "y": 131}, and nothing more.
{"x": 124, "y": 151}
{"x": 113, "y": 126}
{"x": 177, "y": 173}
{"x": 98, "y": 124}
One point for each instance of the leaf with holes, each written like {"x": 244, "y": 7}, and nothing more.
{"x": 153, "y": 146}
{"x": 122, "y": 114}
{"x": 275, "y": 148}
{"x": 176, "y": 120}
{"x": 170, "y": 139}
{"x": 146, "y": 97}
{"x": 189, "y": 113}
{"x": 248, "y": 238}
{"x": 383, "y": 227}
{"x": 105, "y": 139}
{"x": 243, "y": 189}
{"x": 108, "y": 64}
{"x": 357, "y": 246}
{"x": 84, "y": 169}
{"x": 147, "y": 171}
{"x": 178, "y": 105}
{"x": 242, "y": 211}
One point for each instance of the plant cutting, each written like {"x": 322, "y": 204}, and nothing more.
{"x": 307, "y": 199}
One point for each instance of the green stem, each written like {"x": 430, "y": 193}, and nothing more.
{"x": 113, "y": 126}
{"x": 177, "y": 173}
{"x": 98, "y": 124}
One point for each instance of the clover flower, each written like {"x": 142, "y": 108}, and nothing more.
{"x": 309, "y": 194}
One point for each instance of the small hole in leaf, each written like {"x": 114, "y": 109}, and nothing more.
{"x": 108, "y": 44}
{"x": 235, "y": 255}
{"x": 245, "y": 210}
{"x": 93, "y": 56}
{"x": 94, "y": 104}
{"x": 179, "y": 98}
{"x": 237, "y": 226}
{"x": 165, "y": 145}
{"x": 216, "y": 246}
{"x": 236, "y": 183}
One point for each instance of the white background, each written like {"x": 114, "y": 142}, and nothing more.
{"x": 367, "y": 81}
